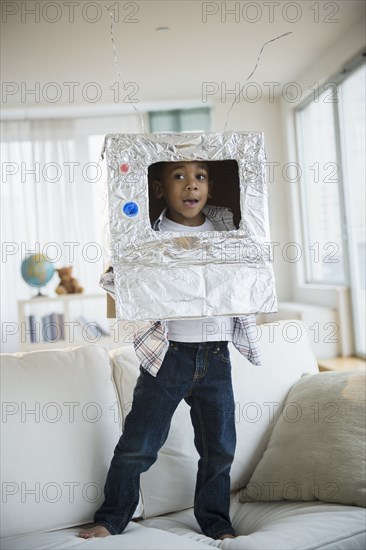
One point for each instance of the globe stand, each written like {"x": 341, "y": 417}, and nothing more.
{"x": 40, "y": 295}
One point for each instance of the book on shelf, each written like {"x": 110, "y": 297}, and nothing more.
{"x": 61, "y": 324}
{"x": 33, "y": 329}
{"x": 46, "y": 328}
{"x": 92, "y": 328}
{"x": 51, "y": 328}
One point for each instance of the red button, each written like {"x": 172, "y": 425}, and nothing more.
{"x": 124, "y": 168}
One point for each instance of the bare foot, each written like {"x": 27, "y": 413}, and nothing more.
{"x": 96, "y": 531}
{"x": 227, "y": 537}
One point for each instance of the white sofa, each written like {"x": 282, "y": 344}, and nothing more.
{"x": 62, "y": 414}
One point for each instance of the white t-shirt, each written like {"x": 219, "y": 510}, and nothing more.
{"x": 209, "y": 329}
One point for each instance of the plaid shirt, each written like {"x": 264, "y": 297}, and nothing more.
{"x": 151, "y": 341}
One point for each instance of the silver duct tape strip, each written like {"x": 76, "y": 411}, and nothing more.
{"x": 163, "y": 275}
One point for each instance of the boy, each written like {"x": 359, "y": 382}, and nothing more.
{"x": 179, "y": 361}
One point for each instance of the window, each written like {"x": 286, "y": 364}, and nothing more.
{"x": 352, "y": 131}
{"x": 183, "y": 120}
{"x": 331, "y": 140}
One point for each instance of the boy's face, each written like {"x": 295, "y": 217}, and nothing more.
{"x": 185, "y": 187}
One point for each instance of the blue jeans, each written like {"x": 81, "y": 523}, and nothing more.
{"x": 199, "y": 373}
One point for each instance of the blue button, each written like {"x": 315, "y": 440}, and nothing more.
{"x": 131, "y": 209}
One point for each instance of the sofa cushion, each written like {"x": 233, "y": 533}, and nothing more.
{"x": 278, "y": 526}
{"x": 259, "y": 393}
{"x": 317, "y": 448}
{"x": 135, "y": 537}
{"x": 60, "y": 423}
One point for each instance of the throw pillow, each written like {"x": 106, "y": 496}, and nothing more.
{"x": 317, "y": 448}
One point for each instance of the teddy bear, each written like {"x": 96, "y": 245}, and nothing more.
{"x": 68, "y": 284}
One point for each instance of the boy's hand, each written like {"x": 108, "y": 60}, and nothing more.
{"x": 107, "y": 281}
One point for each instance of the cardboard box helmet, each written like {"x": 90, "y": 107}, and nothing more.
{"x": 164, "y": 275}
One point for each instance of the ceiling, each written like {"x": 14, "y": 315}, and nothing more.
{"x": 204, "y": 44}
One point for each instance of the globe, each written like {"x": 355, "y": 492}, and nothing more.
{"x": 37, "y": 271}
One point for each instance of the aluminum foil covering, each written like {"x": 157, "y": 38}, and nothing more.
{"x": 168, "y": 275}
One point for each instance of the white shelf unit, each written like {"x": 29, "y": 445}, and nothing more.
{"x": 322, "y": 324}
{"x": 92, "y": 306}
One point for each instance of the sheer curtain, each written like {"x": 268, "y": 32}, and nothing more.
{"x": 49, "y": 203}
{"x": 53, "y": 201}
